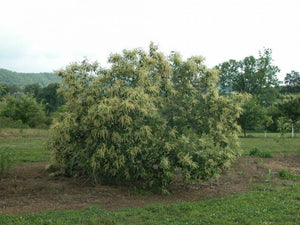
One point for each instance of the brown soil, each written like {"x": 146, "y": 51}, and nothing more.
{"x": 29, "y": 188}
{"x": 8, "y": 136}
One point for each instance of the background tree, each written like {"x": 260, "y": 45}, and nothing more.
{"x": 13, "y": 89}
{"x": 3, "y": 90}
{"x": 255, "y": 76}
{"x": 250, "y": 75}
{"x": 292, "y": 82}
{"x": 252, "y": 116}
{"x": 266, "y": 120}
{"x": 230, "y": 74}
{"x": 34, "y": 89}
{"x": 289, "y": 106}
{"x": 23, "y": 107}
{"x": 51, "y": 99}
{"x": 46, "y": 95}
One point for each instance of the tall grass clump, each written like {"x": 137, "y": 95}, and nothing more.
{"x": 260, "y": 153}
{"x": 6, "y": 161}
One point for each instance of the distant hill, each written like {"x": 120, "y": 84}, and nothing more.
{"x": 22, "y": 79}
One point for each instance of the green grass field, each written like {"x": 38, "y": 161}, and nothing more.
{"x": 24, "y": 132}
{"x": 269, "y": 204}
{"x": 32, "y": 149}
{"x": 26, "y": 145}
{"x": 274, "y": 145}
{"x": 268, "y": 134}
{"x": 26, "y": 149}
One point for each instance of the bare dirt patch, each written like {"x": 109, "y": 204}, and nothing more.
{"x": 30, "y": 189}
{"x": 8, "y": 136}
{"x": 289, "y": 162}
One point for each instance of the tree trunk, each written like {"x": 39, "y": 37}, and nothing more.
{"x": 292, "y": 130}
{"x": 265, "y": 133}
{"x": 244, "y": 132}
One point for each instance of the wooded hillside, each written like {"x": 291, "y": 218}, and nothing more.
{"x": 23, "y": 79}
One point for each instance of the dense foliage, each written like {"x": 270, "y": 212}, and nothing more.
{"x": 292, "y": 83}
{"x": 251, "y": 75}
{"x": 252, "y": 115}
{"x": 23, "y": 108}
{"x": 48, "y": 96}
{"x": 289, "y": 109}
{"x": 146, "y": 119}
{"x": 46, "y": 99}
{"x": 256, "y": 77}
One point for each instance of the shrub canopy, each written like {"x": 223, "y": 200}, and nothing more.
{"x": 23, "y": 108}
{"x": 146, "y": 119}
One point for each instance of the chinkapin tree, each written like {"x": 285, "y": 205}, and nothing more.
{"x": 147, "y": 119}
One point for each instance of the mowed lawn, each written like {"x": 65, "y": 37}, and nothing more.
{"x": 26, "y": 149}
{"x": 274, "y": 145}
{"x": 26, "y": 145}
{"x": 270, "y": 204}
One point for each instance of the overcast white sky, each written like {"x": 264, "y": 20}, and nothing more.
{"x": 45, "y": 35}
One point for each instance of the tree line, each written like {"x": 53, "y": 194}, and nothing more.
{"x": 270, "y": 106}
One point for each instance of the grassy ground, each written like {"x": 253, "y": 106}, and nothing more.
{"x": 271, "y": 206}
{"x": 26, "y": 149}
{"x": 268, "y": 134}
{"x": 26, "y": 145}
{"x": 24, "y": 132}
{"x": 274, "y": 145}
{"x": 30, "y": 145}
{"x": 32, "y": 149}
{"x": 268, "y": 204}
